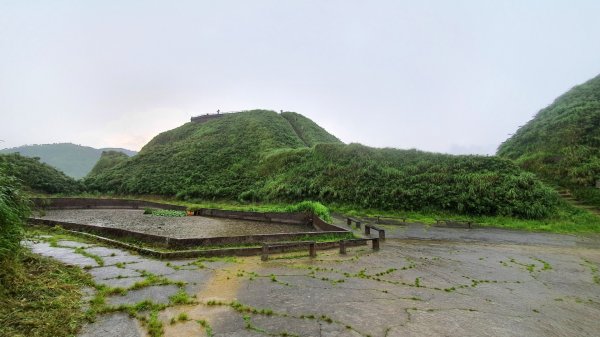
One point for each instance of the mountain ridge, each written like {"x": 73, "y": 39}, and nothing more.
{"x": 74, "y": 160}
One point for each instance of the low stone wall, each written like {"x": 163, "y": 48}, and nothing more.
{"x": 250, "y": 251}
{"x": 83, "y": 203}
{"x": 205, "y": 118}
{"x": 323, "y": 226}
{"x": 176, "y": 243}
{"x": 288, "y": 218}
{"x": 320, "y": 226}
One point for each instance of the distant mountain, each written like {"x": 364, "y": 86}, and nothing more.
{"x": 74, "y": 160}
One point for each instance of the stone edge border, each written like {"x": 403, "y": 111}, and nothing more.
{"x": 182, "y": 254}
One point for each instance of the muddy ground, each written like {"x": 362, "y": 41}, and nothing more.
{"x": 464, "y": 283}
{"x": 177, "y": 227}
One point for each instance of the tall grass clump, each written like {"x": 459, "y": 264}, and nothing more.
{"x": 13, "y": 212}
{"x": 312, "y": 207}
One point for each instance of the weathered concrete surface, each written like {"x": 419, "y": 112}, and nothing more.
{"x": 113, "y": 325}
{"x": 482, "y": 284}
{"x": 177, "y": 227}
{"x": 157, "y": 294}
{"x": 64, "y": 255}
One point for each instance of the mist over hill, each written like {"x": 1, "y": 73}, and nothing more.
{"x": 74, "y": 160}
{"x": 261, "y": 155}
{"x": 561, "y": 143}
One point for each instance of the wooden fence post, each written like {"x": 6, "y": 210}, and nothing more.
{"x": 265, "y": 252}
{"x": 342, "y": 246}
{"x": 375, "y": 244}
{"x": 312, "y": 249}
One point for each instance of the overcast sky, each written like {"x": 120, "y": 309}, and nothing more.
{"x": 444, "y": 76}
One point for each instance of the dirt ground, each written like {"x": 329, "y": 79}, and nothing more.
{"x": 463, "y": 283}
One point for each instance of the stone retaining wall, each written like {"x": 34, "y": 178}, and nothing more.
{"x": 76, "y": 203}
{"x": 320, "y": 226}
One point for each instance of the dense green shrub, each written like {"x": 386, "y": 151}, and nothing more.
{"x": 14, "y": 209}
{"x": 561, "y": 143}
{"x": 390, "y": 179}
{"x": 37, "y": 176}
{"x": 311, "y": 207}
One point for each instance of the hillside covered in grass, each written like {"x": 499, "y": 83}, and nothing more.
{"x": 265, "y": 156}
{"x": 214, "y": 159}
{"x": 76, "y": 161}
{"x": 107, "y": 160}
{"x": 561, "y": 144}
{"x": 36, "y": 176}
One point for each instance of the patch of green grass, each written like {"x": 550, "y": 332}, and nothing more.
{"x": 546, "y": 266}
{"x": 567, "y": 219}
{"x": 181, "y": 297}
{"x": 164, "y": 212}
{"x": 154, "y": 325}
{"x": 85, "y": 253}
{"x": 40, "y": 297}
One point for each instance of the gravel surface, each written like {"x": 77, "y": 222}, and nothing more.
{"x": 178, "y": 227}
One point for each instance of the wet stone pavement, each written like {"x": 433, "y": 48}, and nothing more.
{"x": 456, "y": 287}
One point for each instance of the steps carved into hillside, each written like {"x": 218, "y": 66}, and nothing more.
{"x": 568, "y": 197}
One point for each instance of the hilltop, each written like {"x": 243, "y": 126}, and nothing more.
{"x": 214, "y": 159}
{"x": 74, "y": 160}
{"x": 261, "y": 155}
{"x": 561, "y": 144}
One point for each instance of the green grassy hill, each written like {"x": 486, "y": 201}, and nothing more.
{"x": 214, "y": 159}
{"x": 107, "y": 160}
{"x": 561, "y": 144}
{"x": 74, "y": 160}
{"x": 265, "y": 156}
{"x": 37, "y": 176}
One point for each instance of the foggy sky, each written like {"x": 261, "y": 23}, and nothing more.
{"x": 444, "y": 76}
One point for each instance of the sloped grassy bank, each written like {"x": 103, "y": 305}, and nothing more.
{"x": 561, "y": 144}
{"x": 39, "y": 296}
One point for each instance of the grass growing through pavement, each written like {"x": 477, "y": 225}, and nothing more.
{"x": 41, "y": 297}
